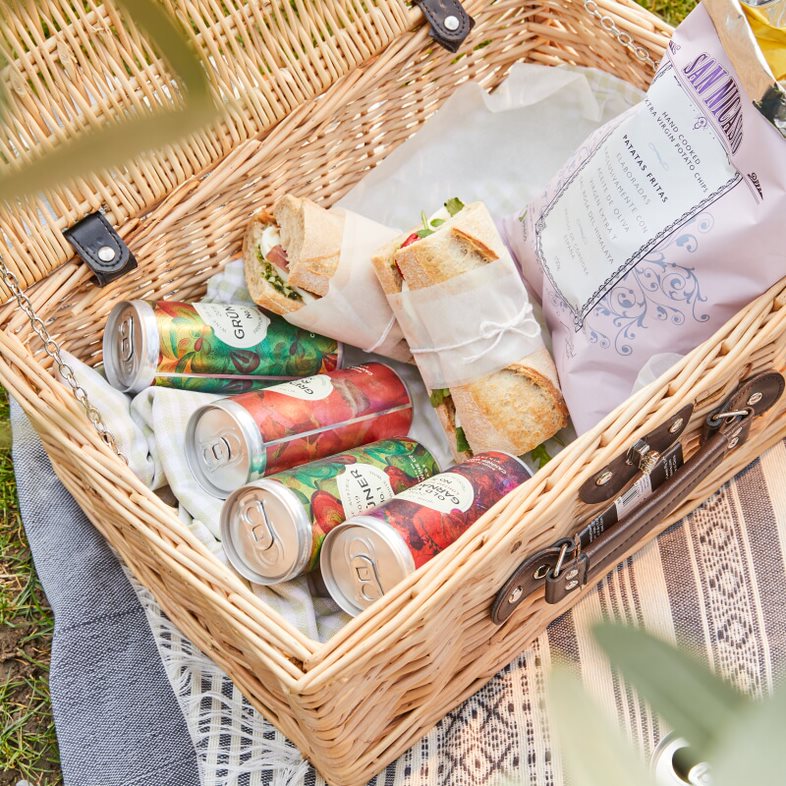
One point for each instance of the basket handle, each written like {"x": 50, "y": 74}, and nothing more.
{"x": 572, "y": 563}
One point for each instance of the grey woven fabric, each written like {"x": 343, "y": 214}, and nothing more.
{"x": 118, "y": 722}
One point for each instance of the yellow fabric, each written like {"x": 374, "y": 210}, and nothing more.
{"x": 772, "y": 40}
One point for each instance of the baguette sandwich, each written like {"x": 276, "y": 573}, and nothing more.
{"x": 515, "y": 409}
{"x": 290, "y": 254}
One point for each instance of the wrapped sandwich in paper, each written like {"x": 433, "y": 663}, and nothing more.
{"x": 312, "y": 266}
{"x": 467, "y": 317}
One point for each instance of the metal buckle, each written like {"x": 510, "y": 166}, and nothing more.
{"x": 560, "y": 559}
{"x": 574, "y": 547}
{"x": 715, "y": 419}
{"x": 643, "y": 456}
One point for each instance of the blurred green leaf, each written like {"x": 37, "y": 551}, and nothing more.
{"x": 698, "y": 705}
{"x": 172, "y": 43}
{"x": 133, "y": 133}
{"x": 595, "y": 752}
{"x": 750, "y": 752}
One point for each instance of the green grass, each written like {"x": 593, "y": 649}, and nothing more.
{"x": 28, "y": 746}
{"x": 673, "y": 11}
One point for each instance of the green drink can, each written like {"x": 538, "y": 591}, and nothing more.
{"x": 272, "y": 529}
{"x": 209, "y": 347}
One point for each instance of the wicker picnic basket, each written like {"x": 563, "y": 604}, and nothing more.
{"x": 319, "y": 91}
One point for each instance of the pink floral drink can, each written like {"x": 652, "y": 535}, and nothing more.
{"x": 272, "y": 529}
{"x": 210, "y": 347}
{"x": 238, "y": 439}
{"x": 369, "y": 554}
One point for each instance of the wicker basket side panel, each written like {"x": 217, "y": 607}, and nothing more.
{"x": 75, "y": 67}
{"x": 573, "y": 33}
{"x": 202, "y": 596}
{"x": 382, "y": 682}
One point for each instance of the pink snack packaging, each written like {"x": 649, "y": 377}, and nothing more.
{"x": 666, "y": 221}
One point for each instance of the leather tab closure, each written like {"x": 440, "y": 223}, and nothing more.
{"x": 94, "y": 239}
{"x": 757, "y": 393}
{"x": 529, "y": 575}
{"x": 572, "y": 576}
{"x": 450, "y": 23}
{"x": 611, "y": 479}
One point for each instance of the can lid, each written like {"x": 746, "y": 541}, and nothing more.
{"x": 674, "y": 764}
{"x": 362, "y": 559}
{"x": 131, "y": 346}
{"x": 222, "y": 439}
{"x": 266, "y": 533}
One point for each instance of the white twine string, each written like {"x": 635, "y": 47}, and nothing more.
{"x": 383, "y": 338}
{"x": 523, "y": 323}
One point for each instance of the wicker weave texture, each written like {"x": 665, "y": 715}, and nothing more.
{"x": 356, "y": 702}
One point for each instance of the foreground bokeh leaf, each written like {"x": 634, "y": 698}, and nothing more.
{"x": 129, "y": 134}
{"x": 750, "y": 751}
{"x": 698, "y": 705}
{"x": 595, "y": 752}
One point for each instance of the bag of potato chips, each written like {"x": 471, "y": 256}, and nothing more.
{"x": 666, "y": 221}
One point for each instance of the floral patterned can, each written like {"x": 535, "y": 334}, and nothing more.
{"x": 370, "y": 553}
{"x": 272, "y": 529}
{"x": 245, "y": 437}
{"x": 210, "y": 347}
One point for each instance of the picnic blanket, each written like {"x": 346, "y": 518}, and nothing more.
{"x": 136, "y": 703}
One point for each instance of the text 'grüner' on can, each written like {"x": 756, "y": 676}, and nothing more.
{"x": 242, "y": 438}
{"x": 369, "y": 554}
{"x": 272, "y": 529}
{"x": 209, "y": 347}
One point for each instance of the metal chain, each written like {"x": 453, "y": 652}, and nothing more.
{"x": 52, "y": 348}
{"x": 609, "y": 25}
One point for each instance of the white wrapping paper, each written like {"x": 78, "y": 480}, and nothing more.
{"x": 355, "y": 309}
{"x": 469, "y": 326}
{"x": 500, "y": 148}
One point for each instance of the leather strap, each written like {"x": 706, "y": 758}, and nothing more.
{"x": 571, "y": 563}
{"x": 450, "y": 23}
{"x": 603, "y": 553}
{"x": 97, "y": 243}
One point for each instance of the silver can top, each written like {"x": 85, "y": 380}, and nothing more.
{"x": 361, "y": 560}
{"x": 266, "y": 533}
{"x": 674, "y": 764}
{"x": 131, "y": 346}
{"x": 222, "y": 441}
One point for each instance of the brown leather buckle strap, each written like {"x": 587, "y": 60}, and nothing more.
{"x": 571, "y": 563}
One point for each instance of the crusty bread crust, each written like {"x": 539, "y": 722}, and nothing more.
{"x": 312, "y": 238}
{"x": 515, "y": 410}
{"x": 389, "y": 277}
{"x": 262, "y": 291}
{"x": 464, "y": 242}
